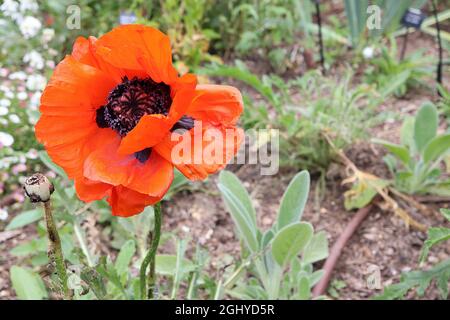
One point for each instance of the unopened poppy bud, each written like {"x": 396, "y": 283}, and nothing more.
{"x": 38, "y": 188}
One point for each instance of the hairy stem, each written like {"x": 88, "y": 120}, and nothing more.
{"x": 55, "y": 252}
{"x": 150, "y": 258}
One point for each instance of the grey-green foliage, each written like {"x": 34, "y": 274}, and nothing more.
{"x": 391, "y": 13}
{"x": 279, "y": 260}
{"x": 416, "y": 163}
{"x": 392, "y": 75}
{"x": 444, "y": 103}
{"x": 436, "y": 235}
{"x": 421, "y": 280}
{"x": 264, "y": 28}
{"x": 27, "y": 284}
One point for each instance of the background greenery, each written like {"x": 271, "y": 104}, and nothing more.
{"x": 269, "y": 49}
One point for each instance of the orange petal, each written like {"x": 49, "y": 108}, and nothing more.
{"x": 187, "y": 81}
{"x": 202, "y": 150}
{"x": 216, "y": 104}
{"x": 68, "y": 107}
{"x": 126, "y": 202}
{"x": 183, "y": 91}
{"x": 138, "y": 47}
{"x": 75, "y": 89}
{"x": 150, "y": 130}
{"x": 88, "y": 190}
{"x": 152, "y": 177}
{"x": 82, "y": 51}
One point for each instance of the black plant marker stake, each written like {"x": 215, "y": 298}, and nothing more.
{"x": 438, "y": 28}
{"x": 404, "y": 45}
{"x": 319, "y": 23}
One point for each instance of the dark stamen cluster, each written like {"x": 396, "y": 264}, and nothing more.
{"x": 130, "y": 101}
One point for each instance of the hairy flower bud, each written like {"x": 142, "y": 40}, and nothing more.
{"x": 38, "y": 188}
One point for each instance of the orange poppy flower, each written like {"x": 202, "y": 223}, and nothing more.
{"x": 115, "y": 109}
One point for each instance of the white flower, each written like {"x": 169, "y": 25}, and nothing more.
{"x": 368, "y": 52}
{"x": 3, "y": 214}
{"x": 35, "y": 100}
{"x": 32, "y": 154}
{"x": 19, "y": 75}
{"x": 22, "y": 96}
{"x": 9, "y": 94}
{"x": 9, "y": 8}
{"x": 3, "y": 72}
{"x": 3, "y": 122}
{"x": 6, "y": 139}
{"x": 50, "y": 64}
{"x": 5, "y": 103}
{"x": 34, "y": 59}
{"x": 29, "y": 27}
{"x": 47, "y": 35}
{"x": 3, "y": 111}
{"x": 29, "y": 5}
{"x": 14, "y": 118}
{"x": 36, "y": 82}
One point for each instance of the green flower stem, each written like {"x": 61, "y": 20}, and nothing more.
{"x": 55, "y": 252}
{"x": 150, "y": 257}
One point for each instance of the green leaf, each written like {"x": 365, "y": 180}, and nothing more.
{"x": 125, "y": 255}
{"x": 399, "y": 151}
{"x": 179, "y": 267}
{"x": 179, "y": 181}
{"x": 95, "y": 281}
{"x": 294, "y": 200}
{"x": 395, "y": 83}
{"x": 166, "y": 265}
{"x": 31, "y": 247}
{"x": 239, "y": 205}
{"x": 27, "y": 284}
{"x": 25, "y": 218}
{"x": 304, "y": 288}
{"x": 355, "y": 11}
{"x": 241, "y": 74}
{"x": 439, "y": 188}
{"x": 407, "y": 133}
{"x": 435, "y": 236}
{"x": 421, "y": 280}
{"x": 317, "y": 248}
{"x": 290, "y": 241}
{"x": 436, "y": 148}
{"x": 425, "y": 125}
{"x": 315, "y": 277}
{"x": 266, "y": 238}
{"x": 446, "y": 213}
{"x": 362, "y": 193}
{"x": 106, "y": 269}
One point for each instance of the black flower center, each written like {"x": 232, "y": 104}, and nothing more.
{"x": 129, "y": 101}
